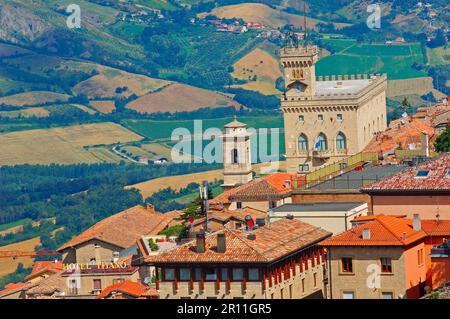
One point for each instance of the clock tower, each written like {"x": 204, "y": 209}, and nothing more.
{"x": 299, "y": 68}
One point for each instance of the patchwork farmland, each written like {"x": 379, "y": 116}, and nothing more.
{"x": 63, "y": 145}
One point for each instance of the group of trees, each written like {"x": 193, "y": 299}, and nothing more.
{"x": 442, "y": 143}
{"x": 75, "y": 196}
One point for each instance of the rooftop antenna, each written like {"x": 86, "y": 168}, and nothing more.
{"x": 305, "y": 28}
{"x": 205, "y": 202}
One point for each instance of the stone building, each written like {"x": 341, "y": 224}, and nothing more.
{"x": 327, "y": 118}
{"x": 277, "y": 261}
{"x": 385, "y": 257}
{"x": 111, "y": 237}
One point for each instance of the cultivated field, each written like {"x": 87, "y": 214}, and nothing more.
{"x": 7, "y": 50}
{"x": 60, "y": 145}
{"x": 103, "y": 106}
{"x": 179, "y": 97}
{"x": 9, "y": 265}
{"x": 418, "y": 86}
{"x": 33, "y": 98}
{"x": 104, "y": 85}
{"x": 162, "y": 130}
{"x": 261, "y": 64}
{"x": 30, "y": 111}
{"x": 354, "y": 58}
{"x": 260, "y": 13}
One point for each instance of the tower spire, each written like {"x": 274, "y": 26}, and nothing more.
{"x": 305, "y": 28}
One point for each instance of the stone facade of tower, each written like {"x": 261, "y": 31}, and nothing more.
{"x": 327, "y": 118}
{"x": 237, "y": 163}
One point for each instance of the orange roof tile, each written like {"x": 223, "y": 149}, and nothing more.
{"x": 384, "y": 231}
{"x": 272, "y": 242}
{"x": 40, "y": 267}
{"x": 224, "y": 215}
{"x": 12, "y": 286}
{"x": 436, "y": 228}
{"x": 400, "y": 134}
{"x": 124, "y": 228}
{"x": 406, "y": 180}
{"x": 273, "y": 185}
{"x": 130, "y": 288}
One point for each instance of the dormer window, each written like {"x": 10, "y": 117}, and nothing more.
{"x": 423, "y": 173}
{"x": 320, "y": 117}
{"x": 301, "y": 118}
{"x": 339, "y": 117}
{"x": 447, "y": 175}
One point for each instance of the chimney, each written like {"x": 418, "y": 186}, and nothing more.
{"x": 200, "y": 237}
{"x": 425, "y": 144}
{"x": 417, "y": 225}
{"x": 150, "y": 207}
{"x": 221, "y": 243}
{"x": 403, "y": 236}
{"x": 366, "y": 233}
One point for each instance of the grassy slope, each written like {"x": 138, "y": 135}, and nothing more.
{"x": 354, "y": 58}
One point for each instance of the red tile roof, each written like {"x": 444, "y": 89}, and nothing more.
{"x": 130, "y": 288}
{"x": 12, "y": 286}
{"x": 436, "y": 228}
{"x": 400, "y": 134}
{"x": 41, "y": 267}
{"x": 225, "y": 215}
{"x": 406, "y": 180}
{"x": 384, "y": 231}
{"x": 272, "y": 242}
{"x": 273, "y": 185}
{"x": 124, "y": 228}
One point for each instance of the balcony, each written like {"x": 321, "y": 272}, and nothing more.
{"x": 322, "y": 153}
{"x": 341, "y": 151}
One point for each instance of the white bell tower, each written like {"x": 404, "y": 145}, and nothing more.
{"x": 237, "y": 164}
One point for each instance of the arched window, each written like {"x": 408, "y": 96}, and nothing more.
{"x": 341, "y": 141}
{"x": 234, "y": 156}
{"x": 322, "y": 143}
{"x": 302, "y": 142}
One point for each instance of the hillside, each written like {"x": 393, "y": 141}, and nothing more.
{"x": 179, "y": 97}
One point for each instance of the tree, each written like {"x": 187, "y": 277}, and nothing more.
{"x": 405, "y": 105}
{"x": 442, "y": 143}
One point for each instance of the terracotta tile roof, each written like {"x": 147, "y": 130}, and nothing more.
{"x": 272, "y": 242}
{"x": 48, "y": 286}
{"x": 406, "y": 180}
{"x": 400, "y": 134}
{"x": 124, "y": 228}
{"x": 9, "y": 288}
{"x": 40, "y": 267}
{"x": 130, "y": 288}
{"x": 384, "y": 231}
{"x": 225, "y": 215}
{"x": 434, "y": 228}
{"x": 273, "y": 185}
